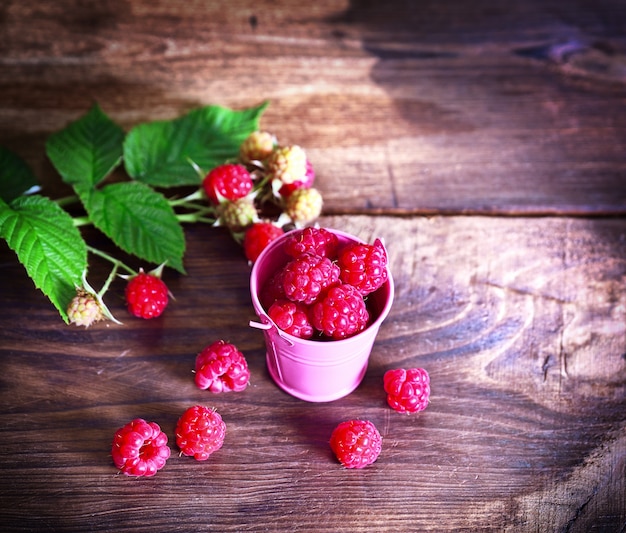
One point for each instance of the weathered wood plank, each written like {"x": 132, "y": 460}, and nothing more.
{"x": 462, "y": 109}
{"x": 520, "y": 322}
{"x": 455, "y": 108}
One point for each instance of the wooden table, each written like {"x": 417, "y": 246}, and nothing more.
{"x": 484, "y": 141}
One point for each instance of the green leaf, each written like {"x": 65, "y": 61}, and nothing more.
{"x": 159, "y": 153}
{"x": 16, "y": 177}
{"x": 87, "y": 150}
{"x": 138, "y": 220}
{"x": 48, "y": 245}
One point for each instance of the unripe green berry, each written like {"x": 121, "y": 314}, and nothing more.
{"x": 84, "y": 309}
{"x": 288, "y": 164}
{"x": 258, "y": 146}
{"x": 303, "y": 206}
{"x": 239, "y": 214}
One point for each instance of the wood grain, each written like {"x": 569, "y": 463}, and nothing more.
{"x": 479, "y": 110}
{"x": 525, "y": 428}
{"x": 484, "y": 141}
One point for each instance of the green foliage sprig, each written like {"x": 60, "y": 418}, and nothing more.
{"x": 133, "y": 212}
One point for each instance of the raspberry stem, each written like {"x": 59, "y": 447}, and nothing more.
{"x": 194, "y": 217}
{"x": 81, "y": 221}
{"x": 67, "y": 200}
{"x": 196, "y": 212}
{"x": 108, "y": 281}
{"x": 98, "y": 296}
{"x": 116, "y": 262}
{"x": 196, "y": 195}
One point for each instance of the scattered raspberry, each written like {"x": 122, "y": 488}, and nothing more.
{"x": 84, "y": 309}
{"x": 307, "y": 276}
{"x": 408, "y": 391}
{"x": 200, "y": 431}
{"x": 318, "y": 241}
{"x": 356, "y": 443}
{"x": 258, "y": 146}
{"x": 257, "y": 237}
{"x": 146, "y": 295}
{"x": 288, "y": 164}
{"x": 305, "y": 183}
{"x": 140, "y": 448}
{"x": 238, "y": 214}
{"x": 292, "y": 318}
{"x": 303, "y": 206}
{"x": 272, "y": 290}
{"x": 340, "y": 313}
{"x": 228, "y": 181}
{"x": 364, "y": 266}
{"x": 221, "y": 367}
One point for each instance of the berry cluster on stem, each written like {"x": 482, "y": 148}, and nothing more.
{"x": 266, "y": 190}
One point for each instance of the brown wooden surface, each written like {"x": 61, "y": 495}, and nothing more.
{"x": 474, "y": 113}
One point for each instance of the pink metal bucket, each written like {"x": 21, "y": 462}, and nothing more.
{"x": 315, "y": 370}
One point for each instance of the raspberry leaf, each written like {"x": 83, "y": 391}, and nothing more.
{"x": 16, "y": 177}
{"x": 87, "y": 150}
{"x": 48, "y": 245}
{"x": 161, "y": 153}
{"x": 137, "y": 219}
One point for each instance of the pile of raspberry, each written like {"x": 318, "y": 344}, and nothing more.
{"x": 322, "y": 291}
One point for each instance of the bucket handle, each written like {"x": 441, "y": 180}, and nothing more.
{"x": 266, "y": 326}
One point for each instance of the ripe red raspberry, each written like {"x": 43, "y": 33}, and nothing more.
{"x": 303, "y": 206}
{"x": 304, "y": 183}
{"x": 340, "y": 313}
{"x": 272, "y": 290}
{"x": 257, "y": 237}
{"x": 317, "y": 241}
{"x": 228, "y": 181}
{"x": 258, "y": 146}
{"x": 221, "y": 367}
{"x": 292, "y": 318}
{"x": 307, "y": 276}
{"x": 356, "y": 443}
{"x": 146, "y": 295}
{"x": 364, "y": 266}
{"x": 140, "y": 448}
{"x": 408, "y": 391}
{"x": 84, "y": 309}
{"x": 200, "y": 431}
{"x": 287, "y": 164}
